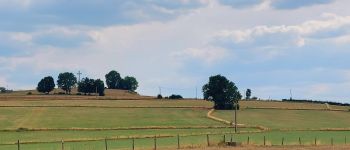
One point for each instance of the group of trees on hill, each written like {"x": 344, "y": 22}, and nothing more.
{"x": 67, "y": 81}
{"x": 88, "y": 86}
{"x": 115, "y": 81}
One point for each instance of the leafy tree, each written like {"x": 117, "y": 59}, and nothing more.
{"x": 248, "y": 93}
{"x": 46, "y": 85}
{"x": 100, "y": 87}
{"x": 113, "y": 79}
{"x": 129, "y": 83}
{"x": 66, "y": 81}
{"x": 2, "y": 89}
{"x": 88, "y": 86}
{"x": 222, "y": 92}
{"x": 159, "y": 96}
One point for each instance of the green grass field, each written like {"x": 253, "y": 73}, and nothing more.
{"x": 41, "y": 122}
{"x": 290, "y": 119}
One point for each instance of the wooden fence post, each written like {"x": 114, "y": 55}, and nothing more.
{"x": 248, "y": 141}
{"x": 299, "y": 141}
{"x": 315, "y": 141}
{"x": 208, "y": 140}
{"x": 178, "y": 141}
{"x": 106, "y": 146}
{"x": 345, "y": 140}
{"x": 18, "y": 147}
{"x": 62, "y": 144}
{"x": 155, "y": 142}
{"x": 282, "y": 141}
{"x": 264, "y": 140}
{"x": 133, "y": 143}
{"x": 332, "y": 141}
{"x": 224, "y": 138}
{"x": 231, "y": 138}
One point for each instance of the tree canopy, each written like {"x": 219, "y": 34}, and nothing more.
{"x": 66, "y": 81}
{"x": 222, "y": 92}
{"x": 248, "y": 94}
{"x": 113, "y": 80}
{"x": 129, "y": 83}
{"x": 88, "y": 86}
{"x": 46, "y": 85}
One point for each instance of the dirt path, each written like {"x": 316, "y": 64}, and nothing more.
{"x": 210, "y": 116}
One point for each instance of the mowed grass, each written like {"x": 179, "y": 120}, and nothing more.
{"x": 288, "y": 105}
{"x": 52, "y": 136}
{"x": 279, "y": 104}
{"x": 289, "y": 119}
{"x": 110, "y": 103}
{"x": 48, "y": 117}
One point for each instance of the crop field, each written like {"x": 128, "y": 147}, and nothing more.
{"x": 41, "y": 122}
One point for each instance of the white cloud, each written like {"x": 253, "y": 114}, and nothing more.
{"x": 331, "y": 22}
{"x": 21, "y": 37}
{"x": 207, "y": 54}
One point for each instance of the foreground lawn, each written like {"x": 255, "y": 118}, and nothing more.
{"x": 47, "y": 117}
{"x": 52, "y": 136}
{"x": 272, "y": 138}
{"x": 289, "y": 119}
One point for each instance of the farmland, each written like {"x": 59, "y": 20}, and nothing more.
{"x": 85, "y": 122}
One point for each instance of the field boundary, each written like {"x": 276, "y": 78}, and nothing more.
{"x": 130, "y": 137}
{"x": 121, "y": 128}
{"x": 81, "y": 106}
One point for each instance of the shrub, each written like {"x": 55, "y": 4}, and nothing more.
{"x": 173, "y": 96}
{"x": 29, "y": 93}
{"x": 159, "y": 96}
{"x": 78, "y": 94}
{"x": 61, "y": 93}
{"x": 254, "y": 98}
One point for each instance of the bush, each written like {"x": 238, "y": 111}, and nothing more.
{"x": 159, "y": 96}
{"x": 173, "y": 96}
{"x": 61, "y": 93}
{"x": 29, "y": 93}
{"x": 254, "y": 98}
{"x": 78, "y": 94}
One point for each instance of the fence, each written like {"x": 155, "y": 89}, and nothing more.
{"x": 173, "y": 142}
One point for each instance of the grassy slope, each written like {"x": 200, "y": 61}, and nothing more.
{"x": 290, "y": 119}
{"x": 46, "y": 117}
{"x": 67, "y": 117}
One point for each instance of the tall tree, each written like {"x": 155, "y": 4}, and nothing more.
{"x": 66, "y": 81}
{"x": 113, "y": 79}
{"x": 100, "y": 87}
{"x": 88, "y": 86}
{"x": 222, "y": 92}
{"x": 248, "y": 94}
{"x": 129, "y": 83}
{"x": 46, "y": 85}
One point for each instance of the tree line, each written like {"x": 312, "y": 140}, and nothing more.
{"x": 67, "y": 81}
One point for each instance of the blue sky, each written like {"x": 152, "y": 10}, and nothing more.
{"x": 269, "y": 46}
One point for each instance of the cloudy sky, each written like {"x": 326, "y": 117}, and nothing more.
{"x": 270, "y": 46}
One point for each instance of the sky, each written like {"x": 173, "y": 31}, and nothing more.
{"x": 269, "y": 46}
